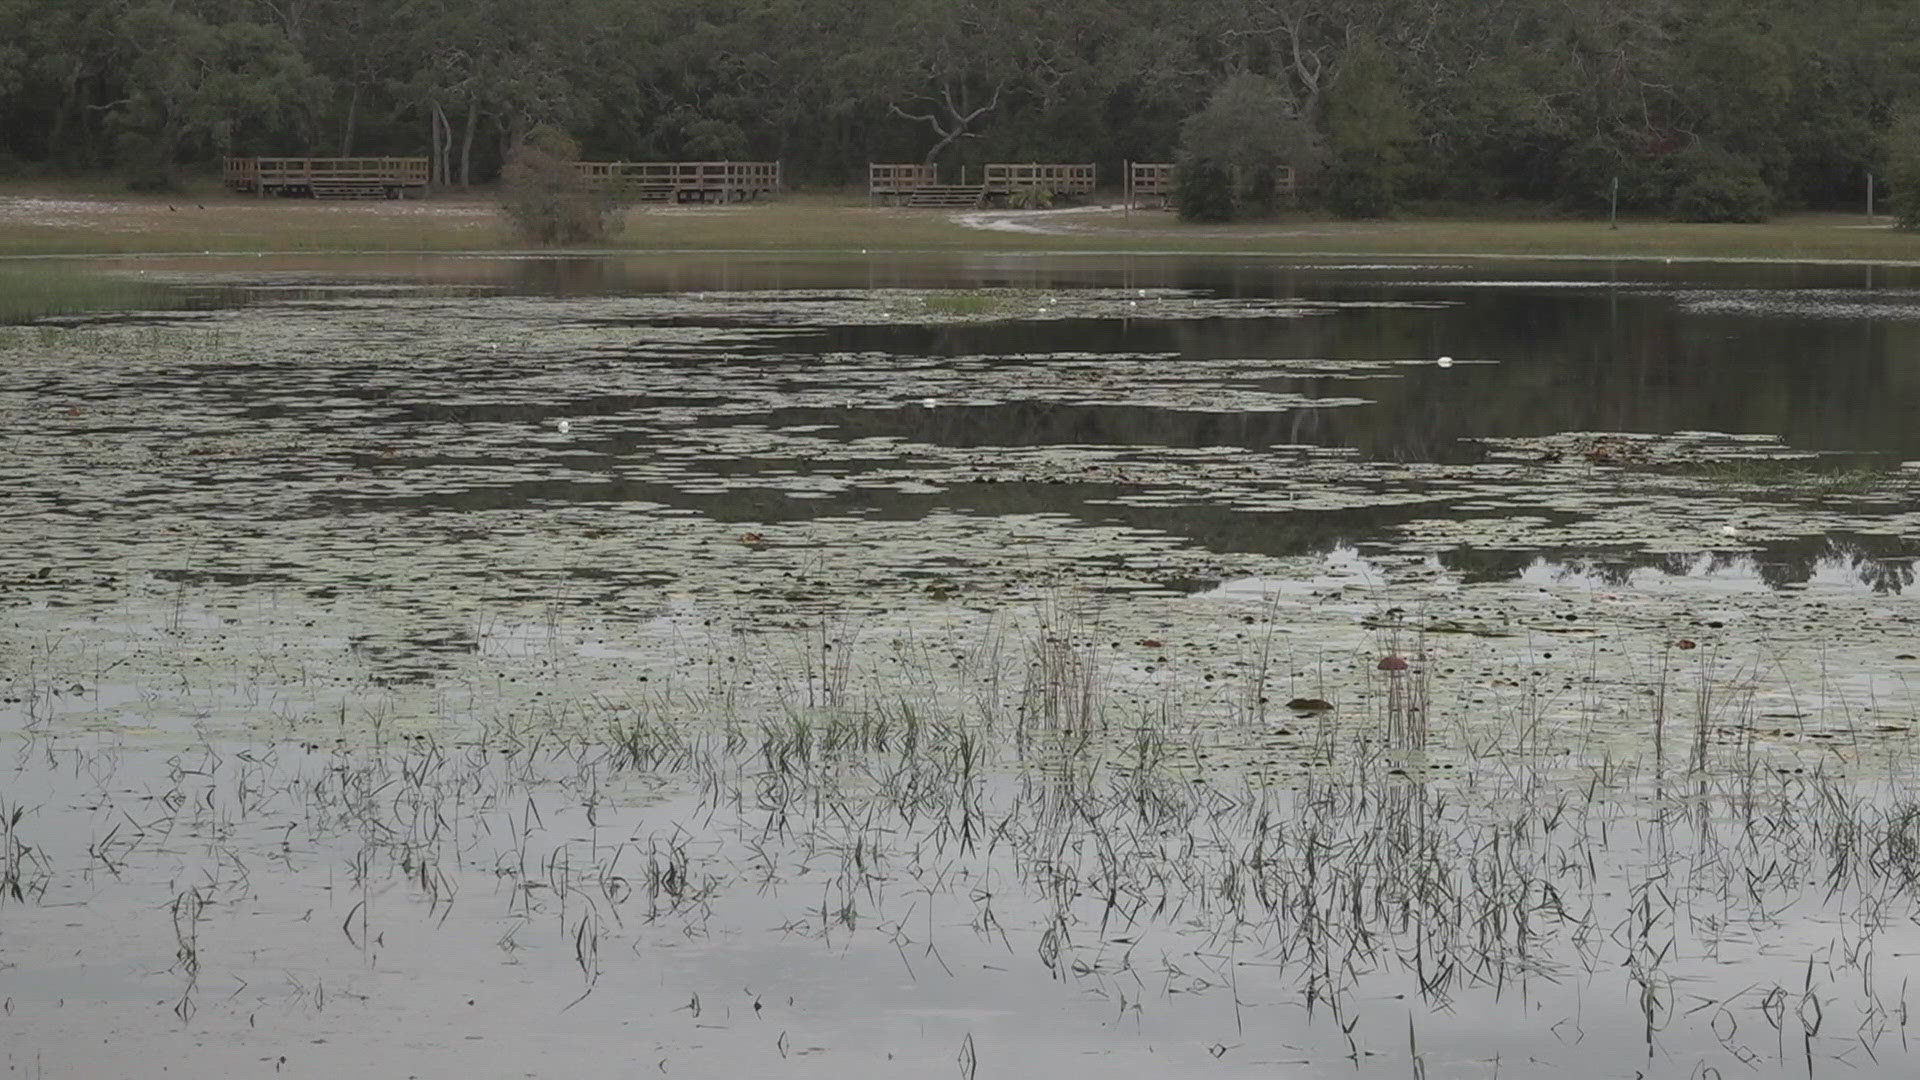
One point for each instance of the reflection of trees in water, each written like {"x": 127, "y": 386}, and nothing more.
{"x": 1579, "y": 360}
{"x": 1882, "y": 563}
{"x": 1612, "y": 573}
{"x": 1482, "y": 564}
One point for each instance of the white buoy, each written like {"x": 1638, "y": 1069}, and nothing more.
{"x": 564, "y": 427}
{"x": 1728, "y": 530}
{"x": 1445, "y": 361}
{"x": 926, "y": 403}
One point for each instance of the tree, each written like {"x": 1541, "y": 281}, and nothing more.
{"x": 947, "y": 64}
{"x": 546, "y": 197}
{"x": 191, "y": 81}
{"x": 1369, "y": 126}
{"x": 1247, "y": 133}
{"x": 1902, "y": 149}
{"x": 1712, "y": 184}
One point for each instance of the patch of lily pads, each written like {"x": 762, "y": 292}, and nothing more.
{"x": 329, "y": 514}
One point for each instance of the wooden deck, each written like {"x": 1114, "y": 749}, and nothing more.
{"x": 1151, "y": 183}
{"x": 328, "y": 178}
{"x": 898, "y": 183}
{"x": 919, "y": 185}
{"x": 1005, "y": 178}
{"x": 686, "y": 181}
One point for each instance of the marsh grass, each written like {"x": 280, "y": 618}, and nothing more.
{"x": 38, "y": 290}
{"x": 1100, "y": 853}
{"x": 24, "y": 870}
{"x": 963, "y": 302}
{"x": 184, "y": 344}
{"x": 1789, "y": 476}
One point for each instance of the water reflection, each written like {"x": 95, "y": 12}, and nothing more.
{"x": 1883, "y": 564}
{"x": 1818, "y": 355}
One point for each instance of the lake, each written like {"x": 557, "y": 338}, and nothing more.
{"x": 711, "y": 664}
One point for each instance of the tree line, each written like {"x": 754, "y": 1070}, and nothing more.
{"x": 1705, "y": 108}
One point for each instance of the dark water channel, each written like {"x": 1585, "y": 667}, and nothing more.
{"x": 1824, "y": 358}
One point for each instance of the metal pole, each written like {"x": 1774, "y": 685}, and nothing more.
{"x": 1613, "y": 206}
{"x": 1869, "y": 196}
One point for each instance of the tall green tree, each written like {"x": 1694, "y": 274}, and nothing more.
{"x": 1245, "y": 136}
{"x": 1370, "y": 126}
{"x": 1902, "y": 151}
{"x": 194, "y": 84}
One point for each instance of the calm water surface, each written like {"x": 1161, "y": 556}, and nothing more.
{"x": 359, "y": 716}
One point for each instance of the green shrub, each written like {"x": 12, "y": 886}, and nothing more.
{"x": 1356, "y": 190}
{"x": 1370, "y": 124}
{"x": 547, "y": 199}
{"x": 1246, "y": 132}
{"x": 1901, "y": 145}
{"x": 1713, "y": 185}
{"x": 1030, "y": 199}
{"x": 1203, "y": 191}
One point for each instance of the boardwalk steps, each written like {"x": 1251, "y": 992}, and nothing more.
{"x": 948, "y": 195}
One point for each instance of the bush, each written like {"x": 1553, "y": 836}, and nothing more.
{"x": 1247, "y": 131}
{"x": 1203, "y": 191}
{"x": 1713, "y": 185}
{"x": 1370, "y": 124}
{"x": 547, "y": 199}
{"x": 1902, "y": 147}
{"x": 1357, "y": 190}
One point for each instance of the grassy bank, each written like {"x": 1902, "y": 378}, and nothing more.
{"x": 38, "y": 221}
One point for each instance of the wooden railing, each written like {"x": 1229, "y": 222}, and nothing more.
{"x": 1153, "y": 181}
{"x": 1149, "y": 179}
{"x": 279, "y": 173}
{"x": 883, "y": 179}
{"x": 1055, "y": 178}
{"x": 688, "y": 180}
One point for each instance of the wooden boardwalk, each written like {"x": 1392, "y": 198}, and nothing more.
{"x": 898, "y": 183}
{"x": 328, "y": 178}
{"x": 1049, "y": 178}
{"x": 1151, "y": 183}
{"x": 686, "y": 181}
{"x": 919, "y": 185}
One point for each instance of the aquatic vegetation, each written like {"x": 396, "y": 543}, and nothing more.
{"x": 952, "y": 302}
{"x": 36, "y": 290}
{"x": 1797, "y": 474}
{"x": 1076, "y": 653}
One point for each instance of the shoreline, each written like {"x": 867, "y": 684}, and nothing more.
{"x": 50, "y": 225}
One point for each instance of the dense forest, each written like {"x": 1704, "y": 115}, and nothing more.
{"x": 1474, "y": 101}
